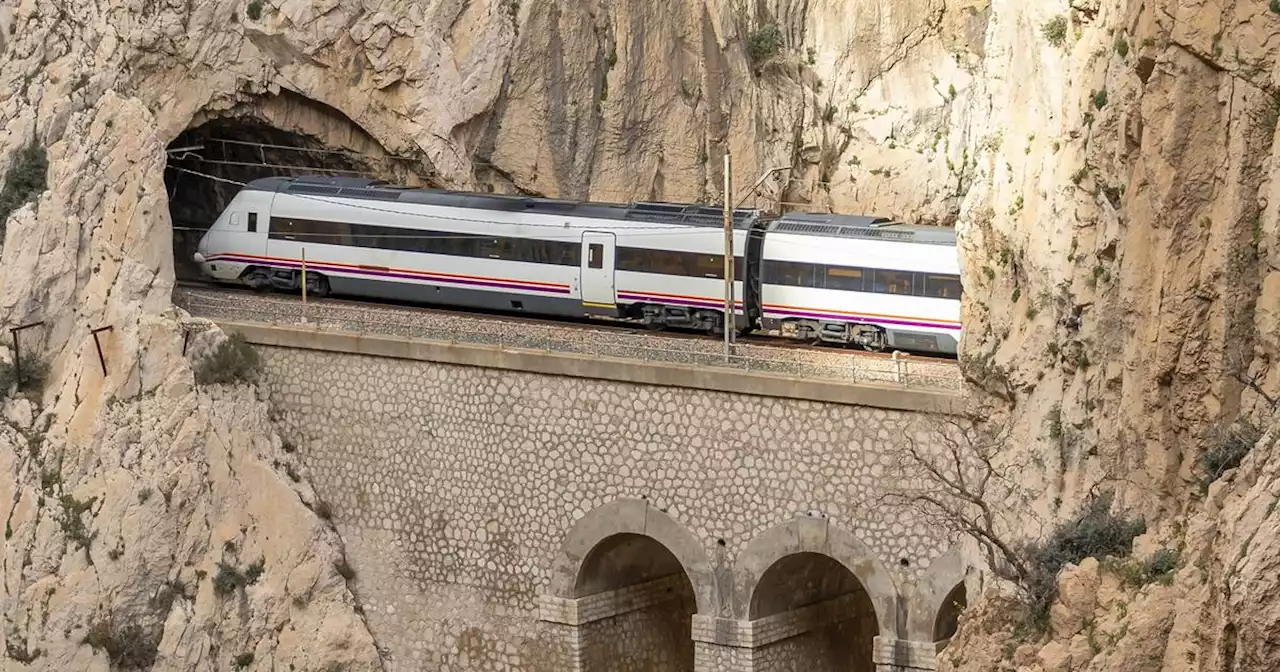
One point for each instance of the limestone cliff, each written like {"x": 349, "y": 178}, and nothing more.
{"x": 1107, "y": 162}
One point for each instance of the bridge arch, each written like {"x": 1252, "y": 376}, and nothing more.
{"x": 637, "y": 577}
{"x": 631, "y": 517}
{"x": 820, "y": 586}
{"x": 817, "y": 536}
{"x": 943, "y": 592}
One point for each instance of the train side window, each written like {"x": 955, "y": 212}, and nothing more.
{"x": 892, "y": 282}
{"x": 708, "y": 266}
{"x": 253, "y": 222}
{"x": 942, "y": 286}
{"x": 595, "y": 255}
{"x": 794, "y": 274}
{"x": 844, "y": 278}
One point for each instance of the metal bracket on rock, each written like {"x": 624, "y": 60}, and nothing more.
{"x": 17, "y": 356}
{"x": 101, "y": 360}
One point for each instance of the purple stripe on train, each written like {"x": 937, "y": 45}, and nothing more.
{"x": 771, "y": 312}
{"x": 697, "y": 303}
{"x": 393, "y": 274}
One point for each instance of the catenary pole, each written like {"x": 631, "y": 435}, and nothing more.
{"x": 729, "y": 320}
{"x": 304, "y": 285}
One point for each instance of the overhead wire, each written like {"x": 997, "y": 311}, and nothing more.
{"x": 647, "y": 230}
{"x": 578, "y": 230}
{"x": 575, "y": 236}
{"x": 396, "y": 158}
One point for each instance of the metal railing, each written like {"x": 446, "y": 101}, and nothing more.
{"x": 807, "y": 363}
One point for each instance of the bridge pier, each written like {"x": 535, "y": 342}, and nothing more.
{"x": 799, "y": 640}
{"x": 595, "y": 631}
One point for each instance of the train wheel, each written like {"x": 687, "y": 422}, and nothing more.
{"x": 716, "y": 325}
{"x": 317, "y": 285}
{"x": 259, "y": 280}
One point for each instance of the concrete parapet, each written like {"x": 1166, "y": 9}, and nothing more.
{"x": 578, "y": 366}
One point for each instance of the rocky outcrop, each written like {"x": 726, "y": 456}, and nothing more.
{"x": 170, "y": 529}
{"x": 1211, "y": 611}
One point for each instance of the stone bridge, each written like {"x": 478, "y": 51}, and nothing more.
{"x": 532, "y": 511}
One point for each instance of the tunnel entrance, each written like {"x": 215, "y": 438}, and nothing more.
{"x": 656, "y": 637}
{"x": 827, "y": 603}
{"x": 281, "y": 135}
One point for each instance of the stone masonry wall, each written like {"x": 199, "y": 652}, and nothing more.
{"x": 455, "y": 487}
{"x": 655, "y": 638}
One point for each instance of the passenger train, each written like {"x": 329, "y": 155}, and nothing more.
{"x": 841, "y": 279}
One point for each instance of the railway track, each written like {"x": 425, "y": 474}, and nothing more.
{"x": 773, "y": 340}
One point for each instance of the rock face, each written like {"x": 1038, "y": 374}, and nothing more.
{"x": 1107, "y": 162}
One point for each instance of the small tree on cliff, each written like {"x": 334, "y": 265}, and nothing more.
{"x": 955, "y": 475}
{"x": 963, "y": 476}
{"x": 26, "y": 178}
{"x": 233, "y": 361}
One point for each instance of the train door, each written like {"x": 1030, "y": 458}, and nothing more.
{"x": 598, "y": 288}
{"x": 256, "y": 229}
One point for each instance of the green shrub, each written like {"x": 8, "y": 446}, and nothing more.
{"x": 255, "y": 571}
{"x": 764, "y": 43}
{"x": 1095, "y": 532}
{"x": 1055, "y": 423}
{"x": 1233, "y": 443}
{"x": 243, "y": 660}
{"x": 1161, "y": 566}
{"x": 1055, "y": 30}
{"x": 228, "y": 579}
{"x": 233, "y": 361}
{"x": 27, "y": 178}
{"x": 254, "y": 10}
{"x": 128, "y": 647}
{"x": 1121, "y": 45}
{"x": 1100, "y": 99}
{"x": 35, "y": 372}
{"x": 73, "y": 522}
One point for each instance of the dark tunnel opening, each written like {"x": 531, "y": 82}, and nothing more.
{"x": 207, "y": 165}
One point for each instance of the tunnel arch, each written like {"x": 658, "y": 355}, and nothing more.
{"x": 636, "y": 517}
{"x": 285, "y": 133}
{"x": 817, "y": 536}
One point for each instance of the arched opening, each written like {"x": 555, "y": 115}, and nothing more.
{"x": 281, "y": 135}
{"x": 824, "y": 604}
{"x": 649, "y": 602}
{"x": 948, "y": 619}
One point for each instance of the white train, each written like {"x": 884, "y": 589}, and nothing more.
{"x": 835, "y": 278}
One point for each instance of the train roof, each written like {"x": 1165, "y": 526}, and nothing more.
{"x": 861, "y": 226}
{"x": 685, "y": 214}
